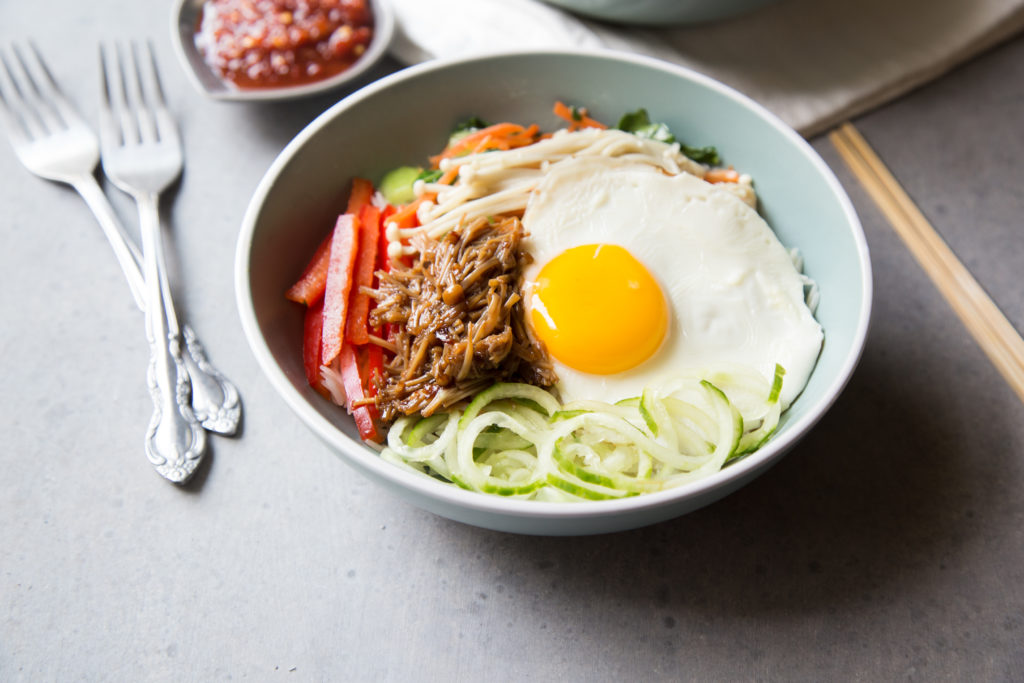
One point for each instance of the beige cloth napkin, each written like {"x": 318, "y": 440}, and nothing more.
{"x": 814, "y": 63}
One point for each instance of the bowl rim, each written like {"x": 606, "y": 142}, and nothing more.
{"x": 674, "y": 14}
{"x": 383, "y": 33}
{"x": 364, "y": 457}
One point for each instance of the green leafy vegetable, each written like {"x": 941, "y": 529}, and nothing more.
{"x": 470, "y": 124}
{"x": 702, "y": 155}
{"x": 430, "y": 175}
{"x": 639, "y": 123}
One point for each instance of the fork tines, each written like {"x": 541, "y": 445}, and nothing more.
{"x": 133, "y": 109}
{"x": 30, "y": 102}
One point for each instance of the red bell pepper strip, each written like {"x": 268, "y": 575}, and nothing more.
{"x": 344, "y": 244}
{"x": 354, "y": 392}
{"x": 383, "y": 260}
{"x": 312, "y": 336}
{"x": 403, "y": 219}
{"x": 382, "y": 239}
{"x": 360, "y": 196}
{"x": 309, "y": 288}
{"x": 373, "y": 367}
{"x": 356, "y": 331}
{"x": 310, "y": 285}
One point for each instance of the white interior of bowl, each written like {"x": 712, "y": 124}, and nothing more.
{"x": 407, "y": 116}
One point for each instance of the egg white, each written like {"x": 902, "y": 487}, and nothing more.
{"x": 734, "y": 293}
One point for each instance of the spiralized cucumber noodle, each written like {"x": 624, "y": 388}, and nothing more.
{"x": 518, "y": 440}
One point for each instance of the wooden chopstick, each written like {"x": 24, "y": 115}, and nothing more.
{"x": 993, "y": 332}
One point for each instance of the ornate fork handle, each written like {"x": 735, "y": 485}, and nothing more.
{"x": 215, "y": 400}
{"x": 175, "y": 441}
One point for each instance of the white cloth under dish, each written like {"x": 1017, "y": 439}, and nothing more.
{"x": 814, "y": 63}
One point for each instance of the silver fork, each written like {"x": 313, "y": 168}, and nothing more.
{"x": 53, "y": 142}
{"x": 141, "y": 154}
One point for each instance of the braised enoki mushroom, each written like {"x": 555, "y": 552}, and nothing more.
{"x": 456, "y": 319}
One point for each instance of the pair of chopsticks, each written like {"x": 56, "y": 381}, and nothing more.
{"x": 993, "y": 332}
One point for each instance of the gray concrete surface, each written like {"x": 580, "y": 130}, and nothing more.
{"x": 888, "y": 546}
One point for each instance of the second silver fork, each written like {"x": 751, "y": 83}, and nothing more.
{"x": 54, "y": 142}
{"x": 215, "y": 400}
{"x": 141, "y": 154}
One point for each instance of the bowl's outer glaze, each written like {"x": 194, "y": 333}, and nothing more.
{"x": 407, "y": 116}
{"x": 660, "y": 12}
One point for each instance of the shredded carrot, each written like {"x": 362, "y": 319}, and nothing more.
{"x": 521, "y": 137}
{"x": 499, "y": 136}
{"x": 449, "y": 176}
{"x": 406, "y": 216}
{"x": 722, "y": 175}
{"x": 487, "y": 143}
{"x": 576, "y": 116}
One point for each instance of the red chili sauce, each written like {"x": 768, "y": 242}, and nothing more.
{"x": 273, "y": 43}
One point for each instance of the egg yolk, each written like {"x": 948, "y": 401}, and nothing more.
{"x": 598, "y": 310}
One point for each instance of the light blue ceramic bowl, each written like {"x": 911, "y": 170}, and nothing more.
{"x": 659, "y": 12}
{"x": 407, "y": 116}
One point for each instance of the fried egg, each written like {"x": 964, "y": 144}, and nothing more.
{"x": 639, "y": 275}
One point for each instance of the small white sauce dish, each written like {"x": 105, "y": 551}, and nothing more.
{"x": 185, "y": 16}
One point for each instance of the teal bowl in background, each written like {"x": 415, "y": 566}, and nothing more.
{"x": 408, "y": 115}
{"x": 659, "y": 12}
